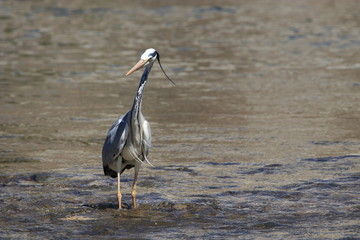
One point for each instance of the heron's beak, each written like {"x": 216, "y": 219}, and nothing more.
{"x": 137, "y": 66}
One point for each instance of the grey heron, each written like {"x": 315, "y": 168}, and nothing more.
{"x": 129, "y": 139}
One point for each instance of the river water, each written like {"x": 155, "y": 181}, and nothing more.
{"x": 259, "y": 139}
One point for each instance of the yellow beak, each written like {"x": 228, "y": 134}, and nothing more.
{"x": 137, "y": 66}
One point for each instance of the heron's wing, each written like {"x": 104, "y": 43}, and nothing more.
{"x": 115, "y": 140}
{"x": 146, "y": 133}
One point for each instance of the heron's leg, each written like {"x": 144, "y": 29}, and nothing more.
{"x": 118, "y": 168}
{"x": 118, "y": 189}
{"x": 133, "y": 193}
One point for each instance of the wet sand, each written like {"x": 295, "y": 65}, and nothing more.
{"x": 259, "y": 139}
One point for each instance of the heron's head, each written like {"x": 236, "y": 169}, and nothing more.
{"x": 148, "y": 57}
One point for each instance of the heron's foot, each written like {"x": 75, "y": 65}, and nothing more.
{"x": 119, "y": 201}
{"x": 134, "y": 202}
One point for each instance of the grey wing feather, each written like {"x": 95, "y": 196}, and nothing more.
{"x": 146, "y": 144}
{"x": 115, "y": 140}
{"x": 147, "y": 137}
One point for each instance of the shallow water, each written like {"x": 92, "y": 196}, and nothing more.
{"x": 260, "y": 137}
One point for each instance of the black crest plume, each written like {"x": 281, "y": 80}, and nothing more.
{"x": 158, "y": 58}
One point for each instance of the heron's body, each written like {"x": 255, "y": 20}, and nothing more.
{"x": 132, "y": 152}
{"x": 128, "y": 141}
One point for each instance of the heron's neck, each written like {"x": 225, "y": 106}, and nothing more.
{"x": 136, "y": 109}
